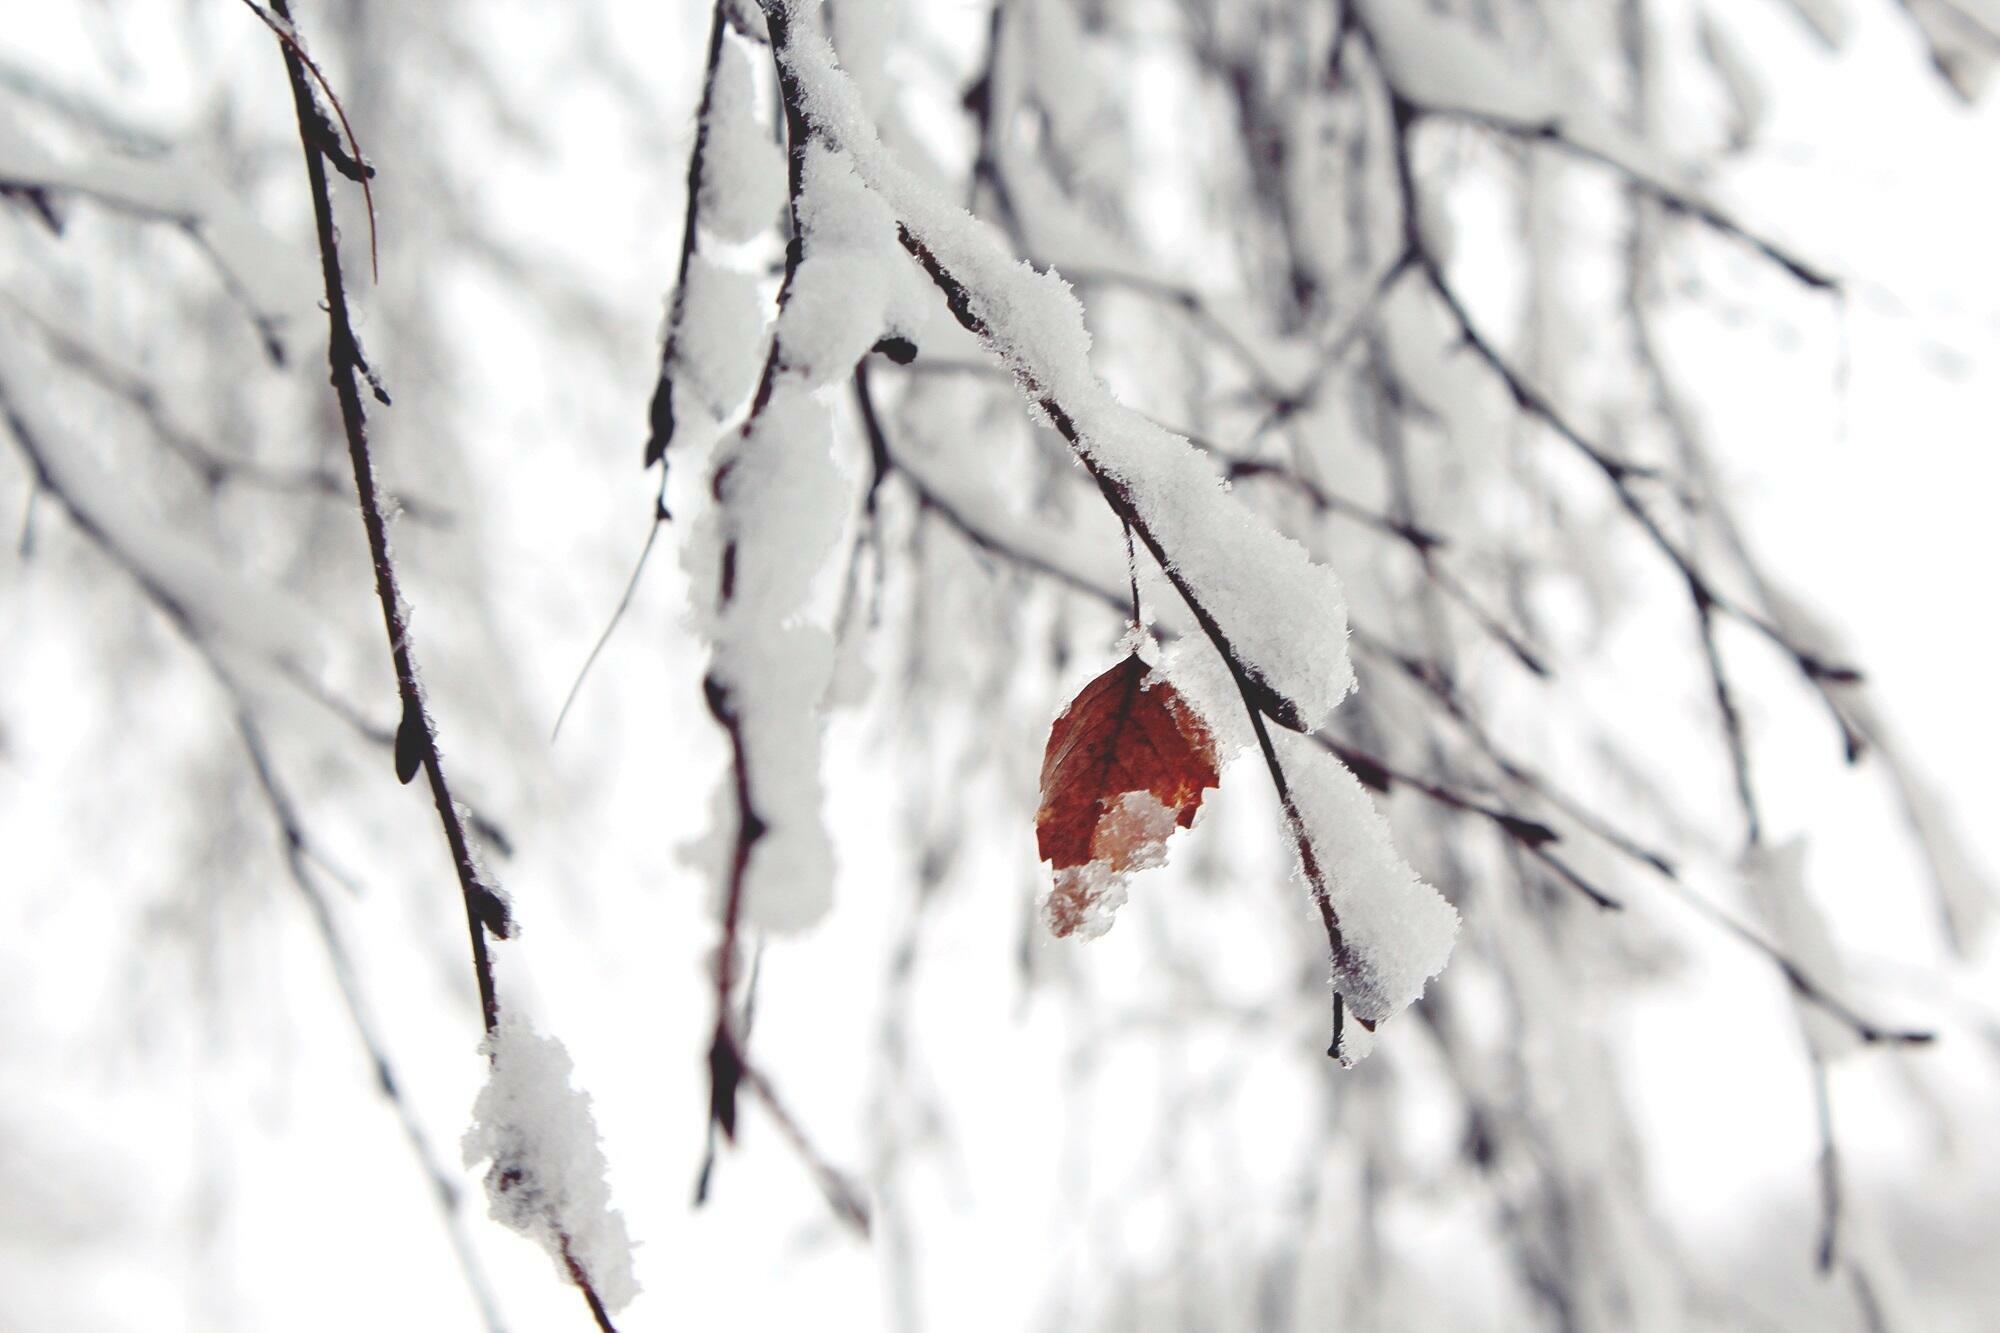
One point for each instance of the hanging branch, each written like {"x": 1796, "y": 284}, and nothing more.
{"x": 1410, "y": 108}
{"x": 726, "y": 1061}
{"x": 1704, "y": 597}
{"x": 343, "y": 150}
{"x": 486, "y": 913}
{"x": 1618, "y": 472}
{"x": 730, "y": 1069}
{"x": 1261, "y": 704}
{"x": 660, "y": 414}
{"x": 416, "y": 748}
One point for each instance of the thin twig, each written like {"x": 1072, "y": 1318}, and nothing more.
{"x": 486, "y": 912}
{"x": 730, "y": 1068}
{"x": 660, "y": 414}
{"x": 1703, "y": 595}
{"x": 351, "y": 163}
{"x": 617, "y": 615}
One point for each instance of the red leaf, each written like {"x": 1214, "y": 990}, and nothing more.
{"x": 1127, "y": 763}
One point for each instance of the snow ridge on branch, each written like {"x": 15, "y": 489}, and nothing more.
{"x": 1277, "y": 619}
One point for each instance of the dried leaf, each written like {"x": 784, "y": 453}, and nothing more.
{"x": 1126, "y": 765}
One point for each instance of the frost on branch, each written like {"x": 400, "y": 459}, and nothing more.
{"x": 1396, "y": 930}
{"x": 854, "y": 283}
{"x": 777, "y": 678}
{"x": 743, "y": 173}
{"x": 1126, "y": 765}
{"x": 547, "y": 1174}
{"x": 715, "y": 347}
{"x": 1283, "y": 617}
{"x": 1277, "y": 617}
{"x": 780, "y": 503}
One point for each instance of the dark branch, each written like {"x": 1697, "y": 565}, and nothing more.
{"x": 660, "y": 415}
{"x": 485, "y": 911}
